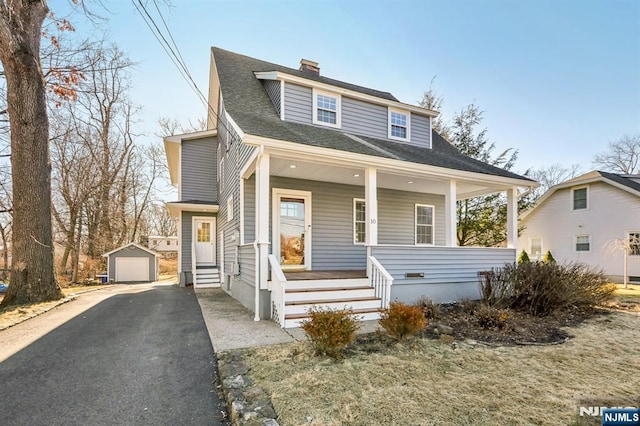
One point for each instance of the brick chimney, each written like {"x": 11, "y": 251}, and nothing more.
{"x": 309, "y": 67}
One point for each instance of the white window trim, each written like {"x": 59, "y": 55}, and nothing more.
{"x": 355, "y": 200}
{"x": 415, "y": 224}
{"x": 573, "y": 190}
{"x": 531, "y": 253}
{"x": 230, "y": 209}
{"x": 628, "y": 241}
{"x": 575, "y": 243}
{"x": 399, "y": 111}
{"x": 314, "y": 112}
{"x": 221, "y": 173}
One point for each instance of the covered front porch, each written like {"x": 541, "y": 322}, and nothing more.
{"x": 327, "y": 219}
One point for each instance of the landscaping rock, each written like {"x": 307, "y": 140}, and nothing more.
{"x": 270, "y": 422}
{"x": 445, "y": 329}
{"x": 237, "y": 382}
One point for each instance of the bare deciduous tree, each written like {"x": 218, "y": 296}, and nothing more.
{"x": 32, "y": 272}
{"x": 621, "y": 156}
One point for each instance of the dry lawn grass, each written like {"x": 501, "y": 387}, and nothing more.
{"x": 13, "y": 315}
{"x": 428, "y": 382}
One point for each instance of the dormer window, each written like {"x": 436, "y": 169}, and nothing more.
{"x": 399, "y": 125}
{"x": 326, "y": 109}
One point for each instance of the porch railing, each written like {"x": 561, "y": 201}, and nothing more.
{"x": 278, "y": 289}
{"x": 193, "y": 264}
{"x": 381, "y": 281}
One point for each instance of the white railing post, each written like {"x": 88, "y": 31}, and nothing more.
{"x": 278, "y": 291}
{"x": 381, "y": 281}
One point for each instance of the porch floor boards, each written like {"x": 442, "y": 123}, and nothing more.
{"x": 324, "y": 275}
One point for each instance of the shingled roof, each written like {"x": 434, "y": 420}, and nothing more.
{"x": 247, "y": 102}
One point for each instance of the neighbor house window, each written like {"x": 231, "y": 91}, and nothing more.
{"x": 399, "y": 125}
{"x": 634, "y": 243}
{"x": 359, "y": 221}
{"x": 580, "y": 198}
{"x": 168, "y": 242}
{"x": 424, "y": 224}
{"x": 326, "y": 109}
{"x": 535, "y": 248}
{"x": 583, "y": 243}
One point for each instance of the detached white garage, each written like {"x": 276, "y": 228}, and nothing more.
{"x": 132, "y": 263}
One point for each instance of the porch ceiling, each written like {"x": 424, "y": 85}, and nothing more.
{"x": 354, "y": 175}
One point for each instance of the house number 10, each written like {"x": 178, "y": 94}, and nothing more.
{"x": 373, "y": 221}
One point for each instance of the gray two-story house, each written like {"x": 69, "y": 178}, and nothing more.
{"x": 311, "y": 191}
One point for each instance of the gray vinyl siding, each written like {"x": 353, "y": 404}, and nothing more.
{"x": 273, "y": 90}
{"x": 247, "y": 261}
{"x": 187, "y": 237}
{"x": 420, "y": 131}
{"x": 199, "y": 169}
{"x": 358, "y": 117}
{"x": 450, "y": 273}
{"x": 250, "y": 209}
{"x": 132, "y": 251}
{"x": 298, "y": 103}
{"x": 396, "y": 216}
{"x": 332, "y": 220}
{"x": 362, "y": 118}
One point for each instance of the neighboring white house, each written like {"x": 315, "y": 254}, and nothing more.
{"x": 589, "y": 219}
{"x": 163, "y": 244}
{"x": 307, "y": 190}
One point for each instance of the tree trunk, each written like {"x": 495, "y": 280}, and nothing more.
{"x": 32, "y": 273}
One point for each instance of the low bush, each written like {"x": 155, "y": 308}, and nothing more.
{"x": 430, "y": 309}
{"x": 330, "y": 331}
{"x": 524, "y": 257}
{"x": 490, "y": 317}
{"x": 402, "y": 320}
{"x": 544, "y": 287}
{"x": 548, "y": 257}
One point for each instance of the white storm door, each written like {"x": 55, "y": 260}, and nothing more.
{"x": 292, "y": 228}
{"x": 204, "y": 237}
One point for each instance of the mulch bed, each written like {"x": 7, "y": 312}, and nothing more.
{"x": 521, "y": 328}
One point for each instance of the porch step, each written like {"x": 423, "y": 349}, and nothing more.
{"x": 294, "y": 320}
{"x": 207, "y": 276}
{"x": 328, "y": 294}
{"x": 303, "y": 307}
{"x": 317, "y": 284}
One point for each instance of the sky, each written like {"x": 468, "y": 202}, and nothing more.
{"x": 557, "y": 79}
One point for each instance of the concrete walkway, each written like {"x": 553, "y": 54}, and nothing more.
{"x": 231, "y": 325}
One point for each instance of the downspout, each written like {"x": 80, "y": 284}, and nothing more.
{"x": 257, "y": 281}
{"x": 257, "y": 243}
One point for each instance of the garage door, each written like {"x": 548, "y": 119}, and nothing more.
{"x": 132, "y": 269}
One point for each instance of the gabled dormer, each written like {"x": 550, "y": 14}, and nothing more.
{"x": 303, "y": 96}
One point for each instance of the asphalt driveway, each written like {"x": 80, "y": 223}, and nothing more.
{"x": 141, "y": 358}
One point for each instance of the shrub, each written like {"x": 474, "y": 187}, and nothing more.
{"x": 544, "y": 287}
{"x": 401, "y": 320}
{"x": 469, "y": 306}
{"x": 491, "y": 317}
{"x": 330, "y": 331}
{"x": 524, "y": 257}
{"x": 495, "y": 287}
{"x": 430, "y": 309}
{"x": 548, "y": 257}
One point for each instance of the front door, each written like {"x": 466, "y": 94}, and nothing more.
{"x": 292, "y": 228}
{"x": 204, "y": 237}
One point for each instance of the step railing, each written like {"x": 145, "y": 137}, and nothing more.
{"x": 278, "y": 289}
{"x": 381, "y": 281}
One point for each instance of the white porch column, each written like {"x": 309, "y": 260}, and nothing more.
{"x": 371, "y": 206}
{"x": 262, "y": 226}
{"x": 512, "y": 217}
{"x": 450, "y": 215}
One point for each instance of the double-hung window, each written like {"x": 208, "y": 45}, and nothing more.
{"x": 399, "y": 125}
{"x": 326, "y": 109}
{"x": 634, "y": 243}
{"x": 535, "y": 247}
{"x": 583, "y": 243}
{"x": 580, "y": 201}
{"x": 424, "y": 224}
{"x": 359, "y": 221}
